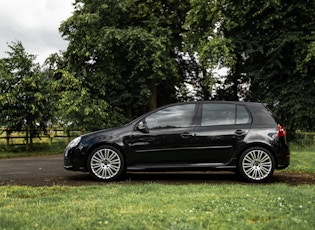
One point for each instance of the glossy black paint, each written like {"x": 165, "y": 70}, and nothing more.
{"x": 192, "y": 147}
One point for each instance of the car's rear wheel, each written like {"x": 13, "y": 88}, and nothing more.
{"x": 106, "y": 163}
{"x": 256, "y": 164}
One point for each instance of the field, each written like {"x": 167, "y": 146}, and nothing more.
{"x": 37, "y": 150}
{"x": 159, "y": 205}
{"x": 302, "y": 160}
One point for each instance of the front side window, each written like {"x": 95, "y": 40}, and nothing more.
{"x": 179, "y": 116}
{"x": 224, "y": 114}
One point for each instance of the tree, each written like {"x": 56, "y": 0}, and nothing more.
{"x": 24, "y": 98}
{"x": 206, "y": 43}
{"x": 280, "y": 80}
{"x": 267, "y": 46}
{"x": 74, "y": 105}
{"x": 124, "y": 52}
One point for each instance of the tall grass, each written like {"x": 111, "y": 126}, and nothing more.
{"x": 36, "y": 150}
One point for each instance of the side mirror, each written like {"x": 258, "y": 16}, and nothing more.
{"x": 142, "y": 127}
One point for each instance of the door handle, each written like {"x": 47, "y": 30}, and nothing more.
{"x": 186, "y": 135}
{"x": 239, "y": 132}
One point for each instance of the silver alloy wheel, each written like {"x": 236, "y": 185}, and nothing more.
{"x": 257, "y": 164}
{"x": 105, "y": 163}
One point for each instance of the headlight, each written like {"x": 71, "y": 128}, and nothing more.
{"x": 74, "y": 142}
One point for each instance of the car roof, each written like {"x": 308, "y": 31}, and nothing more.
{"x": 228, "y": 102}
{"x": 217, "y": 102}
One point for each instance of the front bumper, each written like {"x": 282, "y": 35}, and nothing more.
{"x": 74, "y": 160}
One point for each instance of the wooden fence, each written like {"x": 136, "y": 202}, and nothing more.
{"x": 53, "y": 135}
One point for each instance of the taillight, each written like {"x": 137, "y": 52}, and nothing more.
{"x": 281, "y": 131}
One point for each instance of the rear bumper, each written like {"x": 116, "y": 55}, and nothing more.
{"x": 283, "y": 157}
{"x": 282, "y": 166}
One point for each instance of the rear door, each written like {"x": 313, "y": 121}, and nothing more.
{"x": 221, "y": 129}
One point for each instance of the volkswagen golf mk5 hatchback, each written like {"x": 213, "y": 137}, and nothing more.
{"x": 201, "y": 136}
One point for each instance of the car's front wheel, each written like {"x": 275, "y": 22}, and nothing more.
{"x": 106, "y": 163}
{"x": 256, "y": 164}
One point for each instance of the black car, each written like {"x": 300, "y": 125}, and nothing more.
{"x": 202, "y": 136}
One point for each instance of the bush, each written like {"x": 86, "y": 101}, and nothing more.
{"x": 304, "y": 139}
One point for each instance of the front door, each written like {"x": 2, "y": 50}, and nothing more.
{"x": 168, "y": 137}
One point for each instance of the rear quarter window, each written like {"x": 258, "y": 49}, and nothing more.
{"x": 243, "y": 116}
{"x": 262, "y": 116}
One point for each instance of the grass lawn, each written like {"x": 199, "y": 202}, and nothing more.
{"x": 158, "y": 206}
{"x": 302, "y": 160}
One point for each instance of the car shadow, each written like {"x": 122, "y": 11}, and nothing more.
{"x": 178, "y": 178}
{"x": 185, "y": 177}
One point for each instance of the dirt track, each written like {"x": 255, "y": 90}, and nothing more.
{"x": 49, "y": 171}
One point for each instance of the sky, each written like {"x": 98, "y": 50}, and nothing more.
{"x": 36, "y": 24}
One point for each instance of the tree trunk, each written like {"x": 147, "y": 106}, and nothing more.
{"x": 153, "y": 99}
{"x": 27, "y": 139}
{"x": 8, "y": 137}
{"x": 205, "y": 86}
{"x": 129, "y": 112}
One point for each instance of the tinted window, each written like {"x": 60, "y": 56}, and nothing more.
{"x": 178, "y": 116}
{"x": 224, "y": 114}
{"x": 218, "y": 114}
{"x": 243, "y": 116}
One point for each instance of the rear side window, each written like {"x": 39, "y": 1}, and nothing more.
{"x": 224, "y": 114}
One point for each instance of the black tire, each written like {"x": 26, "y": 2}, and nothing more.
{"x": 256, "y": 164}
{"x": 106, "y": 163}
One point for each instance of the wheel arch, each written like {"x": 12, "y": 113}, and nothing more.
{"x": 99, "y": 144}
{"x": 257, "y": 144}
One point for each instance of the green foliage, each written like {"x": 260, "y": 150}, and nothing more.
{"x": 206, "y": 44}
{"x": 304, "y": 139}
{"x": 158, "y": 206}
{"x": 24, "y": 93}
{"x": 205, "y": 36}
{"x": 280, "y": 39}
{"x": 130, "y": 56}
{"x": 268, "y": 47}
{"x": 125, "y": 52}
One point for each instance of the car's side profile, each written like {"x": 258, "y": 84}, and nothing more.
{"x": 202, "y": 136}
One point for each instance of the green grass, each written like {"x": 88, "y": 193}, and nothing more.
{"x": 158, "y": 206}
{"x": 302, "y": 160}
{"x": 37, "y": 149}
